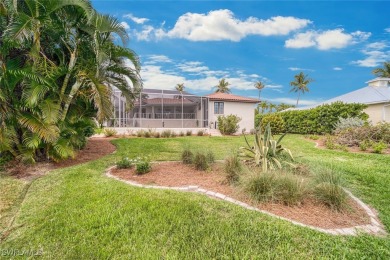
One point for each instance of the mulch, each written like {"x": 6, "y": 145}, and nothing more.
{"x": 310, "y": 212}
{"x": 95, "y": 149}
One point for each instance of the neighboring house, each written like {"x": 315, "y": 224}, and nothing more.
{"x": 173, "y": 109}
{"x": 222, "y": 104}
{"x": 376, "y": 95}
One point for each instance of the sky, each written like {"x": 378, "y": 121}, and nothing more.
{"x": 336, "y": 43}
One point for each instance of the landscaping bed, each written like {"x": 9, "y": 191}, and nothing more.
{"x": 310, "y": 212}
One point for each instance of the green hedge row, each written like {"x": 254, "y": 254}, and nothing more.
{"x": 318, "y": 120}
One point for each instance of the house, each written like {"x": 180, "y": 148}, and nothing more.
{"x": 376, "y": 95}
{"x": 227, "y": 104}
{"x": 161, "y": 109}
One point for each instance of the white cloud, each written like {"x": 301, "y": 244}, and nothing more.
{"x": 153, "y": 59}
{"x": 125, "y": 25}
{"x": 300, "y": 69}
{"x": 221, "y": 25}
{"x": 136, "y": 19}
{"x": 292, "y": 101}
{"x": 387, "y": 30}
{"x": 375, "y": 53}
{"x": 337, "y": 68}
{"x": 325, "y": 40}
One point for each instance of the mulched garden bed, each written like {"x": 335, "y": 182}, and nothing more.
{"x": 95, "y": 149}
{"x": 354, "y": 149}
{"x": 310, "y": 212}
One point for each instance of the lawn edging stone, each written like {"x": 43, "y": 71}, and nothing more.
{"x": 374, "y": 228}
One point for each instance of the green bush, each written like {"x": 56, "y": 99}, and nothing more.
{"x": 328, "y": 189}
{"x": 188, "y": 133}
{"x": 187, "y": 156}
{"x": 379, "y": 147}
{"x": 330, "y": 142}
{"x": 200, "y": 162}
{"x": 228, "y": 125}
{"x": 261, "y": 187}
{"x": 125, "y": 163}
{"x": 140, "y": 133}
{"x": 321, "y": 119}
{"x": 181, "y": 133}
{"x": 200, "y": 133}
{"x": 314, "y": 137}
{"x": 364, "y": 145}
{"x": 290, "y": 190}
{"x": 233, "y": 168}
{"x": 157, "y": 135}
{"x": 276, "y": 122}
{"x": 210, "y": 156}
{"x": 142, "y": 166}
{"x": 166, "y": 133}
{"x": 108, "y": 132}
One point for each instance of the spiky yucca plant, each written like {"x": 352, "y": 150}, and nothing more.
{"x": 266, "y": 152}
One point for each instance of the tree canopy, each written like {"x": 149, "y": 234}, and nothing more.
{"x": 222, "y": 87}
{"x": 58, "y": 66}
{"x": 300, "y": 84}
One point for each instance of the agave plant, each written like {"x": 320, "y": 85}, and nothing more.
{"x": 266, "y": 152}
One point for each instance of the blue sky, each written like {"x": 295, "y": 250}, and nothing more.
{"x": 337, "y": 43}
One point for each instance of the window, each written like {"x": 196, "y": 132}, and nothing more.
{"x": 218, "y": 107}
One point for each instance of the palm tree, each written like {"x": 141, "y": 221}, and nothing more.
{"x": 383, "y": 72}
{"x": 180, "y": 87}
{"x": 259, "y": 85}
{"x": 222, "y": 87}
{"x": 300, "y": 84}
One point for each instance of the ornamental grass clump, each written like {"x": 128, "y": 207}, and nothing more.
{"x": 328, "y": 189}
{"x": 142, "y": 166}
{"x": 200, "y": 161}
{"x": 266, "y": 152}
{"x": 233, "y": 168}
{"x": 187, "y": 156}
{"x": 109, "y": 132}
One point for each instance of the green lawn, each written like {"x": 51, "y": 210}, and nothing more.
{"x": 78, "y": 213}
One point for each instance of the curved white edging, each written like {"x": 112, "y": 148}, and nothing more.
{"x": 374, "y": 227}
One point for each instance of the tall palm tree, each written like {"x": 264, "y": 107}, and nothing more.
{"x": 259, "y": 86}
{"x": 383, "y": 72}
{"x": 222, "y": 87}
{"x": 180, "y": 87}
{"x": 300, "y": 84}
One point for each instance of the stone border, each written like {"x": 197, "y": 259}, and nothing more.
{"x": 374, "y": 228}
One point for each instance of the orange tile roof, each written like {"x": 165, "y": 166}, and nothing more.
{"x": 231, "y": 97}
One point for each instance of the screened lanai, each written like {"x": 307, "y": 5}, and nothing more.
{"x": 160, "y": 109}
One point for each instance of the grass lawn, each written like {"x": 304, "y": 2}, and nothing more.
{"x": 78, "y": 213}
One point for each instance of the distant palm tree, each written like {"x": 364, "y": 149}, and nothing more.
{"x": 180, "y": 87}
{"x": 383, "y": 72}
{"x": 222, "y": 87}
{"x": 259, "y": 85}
{"x": 300, "y": 84}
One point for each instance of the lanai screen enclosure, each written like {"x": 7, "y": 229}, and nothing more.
{"x": 160, "y": 109}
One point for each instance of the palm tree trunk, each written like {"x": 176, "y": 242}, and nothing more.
{"x": 299, "y": 93}
{"x": 72, "y": 93}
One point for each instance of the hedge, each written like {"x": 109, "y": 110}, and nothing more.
{"x": 318, "y": 120}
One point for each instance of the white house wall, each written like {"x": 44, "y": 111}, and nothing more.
{"x": 243, "y": 110}
{"x": 378, "y": 112}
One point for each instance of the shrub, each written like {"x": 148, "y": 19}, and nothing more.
{"x": 147, "y": 134}
{"x": 356, "y": 135}
{"x": 330, "y": 142}
{"x": 261, "y": 187}
{"x": 328, "y": 189}
{"x": 200, "y": 133}
{"x": 364, "y": 145}
{"x": 140, "y": 133}
{"x": 275, "y": 121}
{"x": 349, "y": 122}
{"x": 108, "y": 132}
{"x": 187, "y": 156}
{"x": 99, "y": 130}
{"x": 181, "y": 133}
{"x": 188, "y": 133}
{"x": 200, "y": 161}
{"x": 233, "y": 168}
{"x": 157, "y": 135}
{"x": 210, "y": 156}
{"x": 314, "y": 137}
{"x": 228, "y": 125}
{"x": 143, "y": 166}
{"x": 252, "y": 131}
{"x": 290, "y": 189}
{"x": 166, "y": 133}
{"x": 379, "y": 147}
{"x": 266, "y": 152}
{"x": 125, "y": 163}
{"x": 321, "y": 119}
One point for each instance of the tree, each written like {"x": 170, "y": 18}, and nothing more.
{"x": 180, "y": 87}
{"x": 283, "y": 106}
{"x": 58, "y": 65}
{"x": 259, "y": 86}
{"x": 383, "y": 72}
{"x": 222, "y": 87}
{"x": 300, "y": 84}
